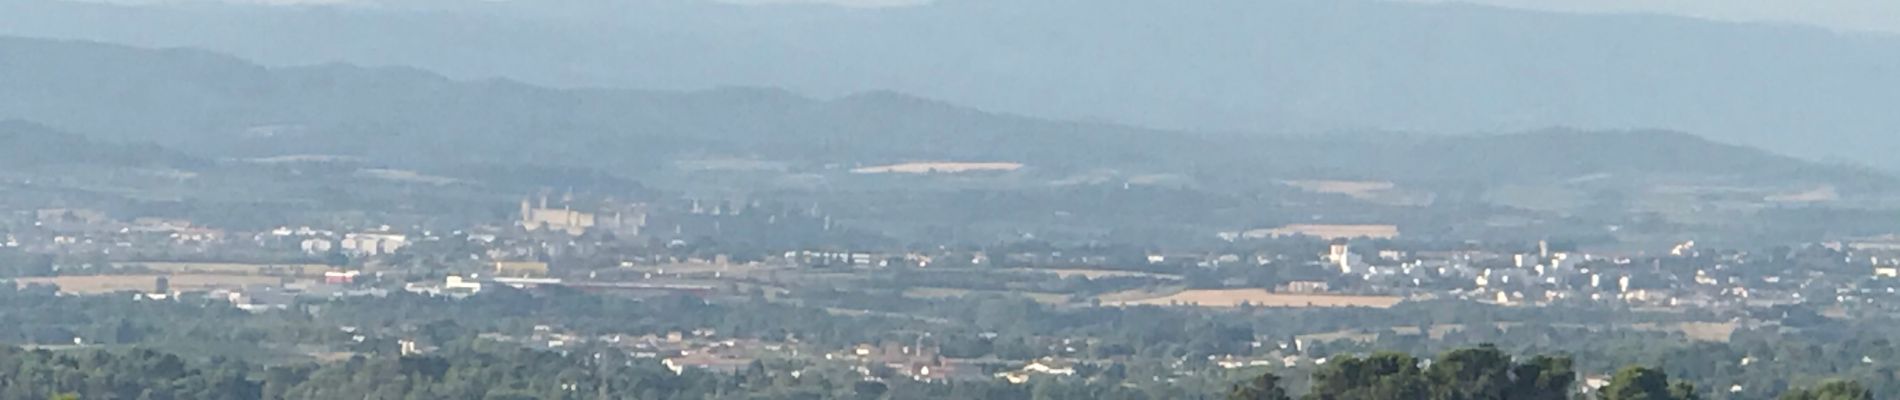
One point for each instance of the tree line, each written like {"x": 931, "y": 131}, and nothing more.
{"x": 476, "y": 372}
{"x": 1487, "y": 373}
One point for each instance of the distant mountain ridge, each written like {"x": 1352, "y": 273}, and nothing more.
{"x": 1242, "y": 65}
{"x": 218, "y": 106}
{"x": 1558, "y": 154}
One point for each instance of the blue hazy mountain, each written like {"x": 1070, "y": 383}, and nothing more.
{"x": 214, "y": 105}
{"x": 1234, "y": 65}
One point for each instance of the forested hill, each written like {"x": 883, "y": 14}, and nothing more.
{"x": 1305, "y": 64}
{"x": 217, "y": 106}
{"x": 25, "y": 145}
{"x": 1553, "y": 155}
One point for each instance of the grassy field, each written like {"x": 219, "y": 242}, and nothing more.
{"x": 229, "y": 268}
{"x": 96, "y": 284}
{"x": 1256, "y": 297}
{"x": 1698, "y": 331}
{"x": 1140, "y": 294}
{"x": 951, "y": 293}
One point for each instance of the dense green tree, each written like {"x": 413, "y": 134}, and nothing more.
{"x": 1380, "y": 376}
{"x": 1641, "y": 383}
{"x": 1263, "y": 387}
{"x": 1472, "y": 374}
{"x": 1543, "y": 378}
{"x": 501, "y": 372}
{"x": 1481, "y": 373}
{"x": 1831, "y": 390}
{"x": 865, "y": 390}
{"x": 1684, "y": 391}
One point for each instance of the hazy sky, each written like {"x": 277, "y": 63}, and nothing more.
{"x": 1865, "y": 15}
{"x": 1861, "y": 15}
{"x": 1868, "y": 15}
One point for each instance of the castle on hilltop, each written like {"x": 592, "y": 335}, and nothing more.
{"x": 622, "y": 220}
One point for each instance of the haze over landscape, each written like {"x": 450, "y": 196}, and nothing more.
{"x": 1304, "y": 66}
{"x": 949, "y": 199}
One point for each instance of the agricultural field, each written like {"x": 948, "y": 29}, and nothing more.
{"x": 98, "y": 284}
{"x": 951, "y": 293}
{"x": 215, "y": 268}
{"x": 1698, "y": 331}
{"x": 939, "y": 168}
{"x": 405, "y": 176}
{"x": 1102, "y": 273}
{"x": 1255, "y": 297}
{"x": 1334, "y": 231}
{"x": 1356, "y": 189}
{"x": 1379, "y": 192}
{"x": 703, "y": 269}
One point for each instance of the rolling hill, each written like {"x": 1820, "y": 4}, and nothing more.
{"x": 25, "y": 145}
{"x": 212, "y": 105}
{"x": 1290, "y": 66}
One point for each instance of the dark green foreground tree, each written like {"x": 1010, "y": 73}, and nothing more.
{"x": 510, "y": 373}
{"x": 1264, "y": 387}
{"x": 1641, "y": 383}
{"x": 1482, "y": 373}
{"x": 1832, "y": 390}
{"x": 1485, "y": 373}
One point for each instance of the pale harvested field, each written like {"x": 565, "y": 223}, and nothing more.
{"x": 1355, "y": 189}
{"x": 407, "y": 176}
{"x": 703, "y": 268}
{"x": 936, "y": 293}
{"x": 1708, "y": 331}
{"x": 1329, "y": 231}
{"x": 938, "y": 167}
{"x": 1437, "y": 332}
{"x": 214, "y": 268}
{"x": 96, "y": 284}
{"x": 951, "y": 293}
{"x": 1139, "y": 294}
{"x": 1816, "y": 195}
{"x": 331, "y": 357}
{"x": 1261, "y": 298}
{"x": 1102, "y": 273}
{"x": 1350, "y": 335}
{"x": 1698, "y": 331}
